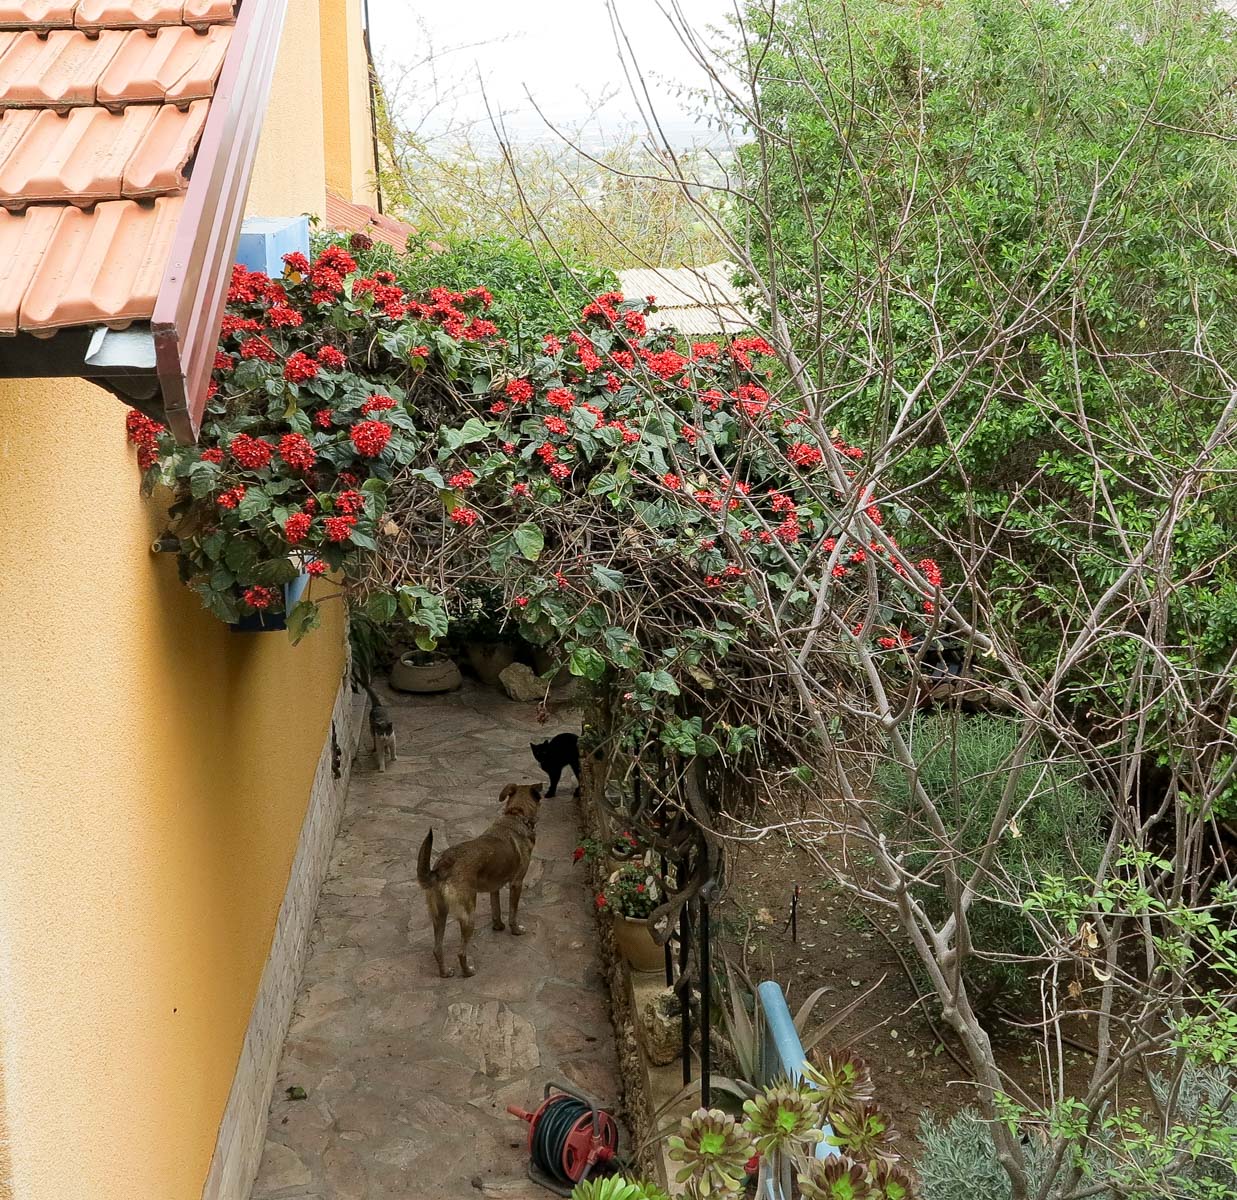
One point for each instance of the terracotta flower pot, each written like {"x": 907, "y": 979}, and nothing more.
{"x": 490, "y": 660}
{"x": 411, "y": 674}
{"x": 636, "y": 944}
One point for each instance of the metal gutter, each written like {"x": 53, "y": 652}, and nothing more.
{"x": 191, "y": 299}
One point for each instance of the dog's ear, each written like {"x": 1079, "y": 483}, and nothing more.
{"x": 507, "y": 793}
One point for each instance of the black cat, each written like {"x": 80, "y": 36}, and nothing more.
{"x": 560, "y": 751}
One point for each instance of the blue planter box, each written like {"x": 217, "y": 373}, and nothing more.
{"x": 269, "y": 622}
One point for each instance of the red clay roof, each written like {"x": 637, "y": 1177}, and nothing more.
{"x": 346, "y": 217}
{"x": 102, "y": 105}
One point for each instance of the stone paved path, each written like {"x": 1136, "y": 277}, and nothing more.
{"x": 408, "y": 1076}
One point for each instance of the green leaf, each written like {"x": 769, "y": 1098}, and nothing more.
{"x": 254, "y": 503}
{"x": 530, "y": 540}
{"x": 381, "y": 607}
{"x": 611, "y": 580}
{"x": 304, "y": 617}
{"x": 623, "y": 648}
{"x": 586, "y": 662}
{"x": 473, "y": 430}
{"x": 658, "y": 681}
{"x": 241, "y": 555}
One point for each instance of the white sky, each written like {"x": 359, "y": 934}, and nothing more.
{"x": 562, "y": 50}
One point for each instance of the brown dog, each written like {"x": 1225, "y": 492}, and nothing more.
{"x": 483, "y": 864}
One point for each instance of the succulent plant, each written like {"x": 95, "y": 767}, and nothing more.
{"x": 714, "y": 1149}
{"x": 617, "y": 1187}
{"x": 842, "y": 1078}
{"x": 836, "y": 1179}
{"x": 864, "y": 1133}
{"x": 784, "y": 1114}
{"x": 891, "y": 1181}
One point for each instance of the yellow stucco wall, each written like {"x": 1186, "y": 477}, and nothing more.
{"x": 289, "y": 176}
{"x": 347, "y": 132}
{"x": 154, "y": 773}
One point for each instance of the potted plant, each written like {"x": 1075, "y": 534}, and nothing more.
{"x": 621, "y": 849}
{"x": 424, "y": 672}
{"x": 488, "y": 648}
{"x": 630, "y": 895}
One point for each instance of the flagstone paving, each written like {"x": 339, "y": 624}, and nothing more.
{"x": 407, "y": 1076}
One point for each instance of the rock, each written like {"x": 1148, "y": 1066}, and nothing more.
{"x": 282, "y": 1168}
{"x": 661, "y": 1027}
{"x": 505, "y": 1045}
{"x": 520, "y": 682}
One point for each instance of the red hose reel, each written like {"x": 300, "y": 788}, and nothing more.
{"x": 570, "y": 1137}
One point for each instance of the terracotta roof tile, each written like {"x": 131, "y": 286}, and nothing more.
{"x": 177, "y": 64}
{"x": 102, "y": 107}
{"x": 37, "y": 14}
{"x": 127, "y": 14}
{"x": 347, "y": 217}
{"x": 58, "y": 71}
{"x": 23, "y": 240}
{"x": 101, "y": 267}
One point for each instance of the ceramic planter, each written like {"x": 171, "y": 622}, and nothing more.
{"x": 490, "y": 660}
{"x": 415, "y": 673}
{"x": 636, "y": 945}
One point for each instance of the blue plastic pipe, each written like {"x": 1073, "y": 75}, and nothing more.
{"x": 780, "y": 1027}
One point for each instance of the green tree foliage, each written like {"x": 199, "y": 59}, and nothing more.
{"x": 1004, "y": 237}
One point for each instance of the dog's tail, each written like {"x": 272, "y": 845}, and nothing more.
{"x": 425, "y": 876}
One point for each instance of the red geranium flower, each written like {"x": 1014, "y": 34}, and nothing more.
{"x": 462, "y": 479}
{"x": 213, "y": 455}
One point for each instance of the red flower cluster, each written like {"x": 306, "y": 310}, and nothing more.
{"x": 295, "y": 450}
{"x": 519, "y": 391}
{"x": 931, "y": 572}
{"x": 232, "y": 497}
{"x": 465, "y": 516}
{"x": 349, "y": 502}
{"x": 556, "y": 425}
{"x": 300, "y": 368}
{"x": 259, "y": 597}
{"x": 296, "y": 527}
{"x": 339, "y": 529}
{"x": 370, "y": 437}
{"x": 378, "y": 404}
{"x": 282, "y": 317}
{"x": 252, "y": 453}
{"x": 316, "y": 567}
{"x": 259, "y": 348}
{"x": 560, "y": 398}
{"x": 803, "y": 455}
{"x": 462, "y": 479}
{"x": 212, "y": 455}
{"x": 332, "y": 359}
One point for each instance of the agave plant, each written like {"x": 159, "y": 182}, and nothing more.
{"x": 836, "y": 1179}
{"x": 783, "y": 1116}
{"x": 617, "y": 1187}
{"x": 864, "y": 1133}
{"x": 842, "y": 1079}
{"x": 714, "y": 1149}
